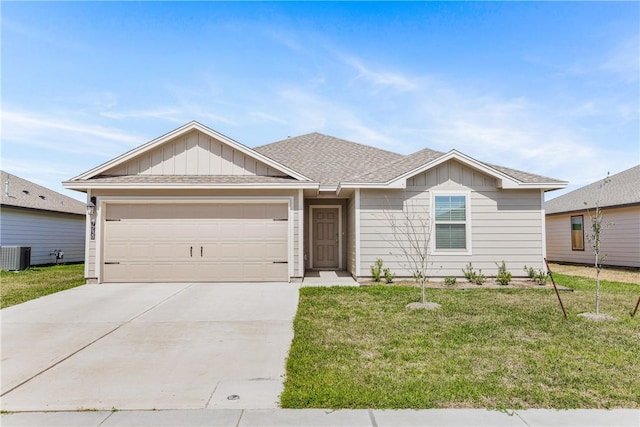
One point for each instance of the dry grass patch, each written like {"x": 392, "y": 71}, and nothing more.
{"x": 361, "y": 348}
{"x": 611, "y": 274}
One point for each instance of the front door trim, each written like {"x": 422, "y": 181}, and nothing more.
{"x": 311, "y": 224}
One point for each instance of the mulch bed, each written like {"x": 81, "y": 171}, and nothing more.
{"x": 464, "y": 285}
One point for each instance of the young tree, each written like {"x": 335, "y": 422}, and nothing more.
{"x": 595, "y": 237}
{"x": 411, "y": 235}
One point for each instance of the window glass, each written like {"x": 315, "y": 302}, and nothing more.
{"x": 577, "y": 233}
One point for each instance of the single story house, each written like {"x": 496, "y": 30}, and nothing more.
{"x": 194, "y": 205}
{"x": 42, "y": 219}
{"x": 569, "y": 222}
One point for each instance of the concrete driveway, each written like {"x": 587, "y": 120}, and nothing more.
{"x": 148, "y": 346}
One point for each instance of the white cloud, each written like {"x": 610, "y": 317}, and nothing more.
{"x": 168, "y": 114}
{"x": 381, "y": 79}
{"x": 625, "y": 60}
{"x": 15, "y": 122}
{"x": 267, "y": 117}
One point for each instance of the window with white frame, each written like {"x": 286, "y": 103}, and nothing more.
{"x": 451, "y": 222}
{"x": 577, "y": 233}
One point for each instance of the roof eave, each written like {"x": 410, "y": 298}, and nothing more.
{"x": 83, "y": 186}
{"x": 547, "y": 186}
{"x": 587, "y": 208}
{"x": 371, "y": 185}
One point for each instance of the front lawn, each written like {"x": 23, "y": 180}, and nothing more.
{"x": 18, "y": 287}
{"x": 486, "y": 348}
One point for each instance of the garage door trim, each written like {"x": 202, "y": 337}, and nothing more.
{"x": 103, "y": 201}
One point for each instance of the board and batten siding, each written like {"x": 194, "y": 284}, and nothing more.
{"x": 204, "y": 196}
{"x": 620, "y": 241}
{"x": 194, "y": 154}
{"x": 43, "y": 232}
{"x": 504, "y": 224}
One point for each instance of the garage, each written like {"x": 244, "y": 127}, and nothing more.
{"x": 195, "y": 242}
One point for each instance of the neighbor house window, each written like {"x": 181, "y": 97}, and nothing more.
{"x": 577, "y": 233}
{"x": 451, "y": 222}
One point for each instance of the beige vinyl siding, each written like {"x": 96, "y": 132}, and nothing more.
{"x": 43, "y": 232}
{"x": 90, "y": 260}
{"x": 351, "y": 236}
{"x": 194, "y": 154}
{"x": 504, "y": 224}
{"x": 199, "y": 195}
{"x": 620, "y": 241}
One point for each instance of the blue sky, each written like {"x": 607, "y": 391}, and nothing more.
{"x": 550, "y": 88}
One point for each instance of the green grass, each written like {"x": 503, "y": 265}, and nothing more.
{"x": 18, "y": 287}
{"x": 361, "y": 348}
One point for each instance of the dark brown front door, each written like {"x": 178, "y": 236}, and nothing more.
{"x": 325, "y": 238}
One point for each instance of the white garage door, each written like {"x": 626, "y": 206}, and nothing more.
{"x": 195, "y": 242}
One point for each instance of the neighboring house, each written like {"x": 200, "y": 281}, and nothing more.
{"x": 194, "y": 205}
{"x": 42, "y": 219}
{"x": 569, "y": 222}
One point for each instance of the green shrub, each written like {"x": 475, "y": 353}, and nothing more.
{"x": 468, "y": 273}
{"x": 504, "y": 276}
{"x": 479, "y": 278}
{"x": 376, "y": 270}
{"x": 541, "y": 277}
{"x": 531, "y": 272}
{"x": 449, "y": 280}
{"x": 388, "y": 275}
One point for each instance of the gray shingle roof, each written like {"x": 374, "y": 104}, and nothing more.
{"x": 26, "y": 194}
{"x": 327, "y": 159}
{"x": 331, "y": 160}
{"x": 400, "y": 166}
{"x": 188, "y": 179}
{"x": 623, "y": 189}
{"x": 525, "y": 177}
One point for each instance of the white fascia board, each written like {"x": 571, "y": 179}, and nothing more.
{"x": 546, "y": 185}
{"x": 181, "y": 131}
{"x": 372, "y": 185}
{"x": 115, "y": 186}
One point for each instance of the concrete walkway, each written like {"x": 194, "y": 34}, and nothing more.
{"x": 321, "y": 417}
{"x": 328, "y": 278}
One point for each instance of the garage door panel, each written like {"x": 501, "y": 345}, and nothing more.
{"x": 229, "y": 242}
{"x": 276, "y": 252}
{"x": 254, "y": 272}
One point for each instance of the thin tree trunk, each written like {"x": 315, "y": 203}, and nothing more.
{"x": 597, "y": 286}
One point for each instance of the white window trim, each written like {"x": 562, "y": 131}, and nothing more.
{"x": 468, "y": 228}
{"x": 311, "y": 208}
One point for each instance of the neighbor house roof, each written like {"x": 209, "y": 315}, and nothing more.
{"x": 18, "y": 192}
{"x": 327, "y": 159}
{"x": 622, "y": 189}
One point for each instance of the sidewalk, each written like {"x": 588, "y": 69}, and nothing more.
{"x": 322, "y": 417}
